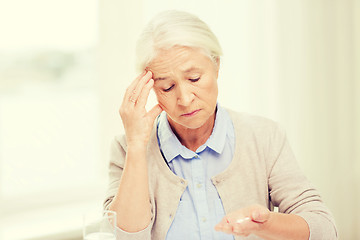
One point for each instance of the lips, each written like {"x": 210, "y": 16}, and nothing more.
{"x": 190, "y": 114}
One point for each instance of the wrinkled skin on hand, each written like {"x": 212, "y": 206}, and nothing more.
{"x": 245, "y": 221}
{"x": 136, "y": 120}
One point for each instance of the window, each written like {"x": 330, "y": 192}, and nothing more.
{"x": 49, "y": 113}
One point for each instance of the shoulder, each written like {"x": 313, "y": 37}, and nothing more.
{"x": 254, "y": 123}
{"x": 257, "y": 130}
{"x": 118, "y": 147}
{"x": 118, "y": 150}
{"x": 119, "y": 141}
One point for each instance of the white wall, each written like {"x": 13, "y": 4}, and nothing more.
{"x": 49, "y": 117}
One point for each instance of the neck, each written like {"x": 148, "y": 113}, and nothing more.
{"x": 193, "y": 138}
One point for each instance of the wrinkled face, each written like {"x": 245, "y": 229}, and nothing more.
{"x": 186, "y": 86}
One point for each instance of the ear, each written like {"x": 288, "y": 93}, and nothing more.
{"x": 217, "y": 61}
{"x": 217, "y": 65}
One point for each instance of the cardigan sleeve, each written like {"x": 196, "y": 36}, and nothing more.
{"x": 293, "y": 193}
{"x": 116, "y": 165}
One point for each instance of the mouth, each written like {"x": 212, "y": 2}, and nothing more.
{"x": 190, "y": 114}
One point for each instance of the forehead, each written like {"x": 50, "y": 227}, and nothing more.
{"x": 182, "y": 59}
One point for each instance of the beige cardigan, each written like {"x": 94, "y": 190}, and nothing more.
{"x": 263, "y": 171}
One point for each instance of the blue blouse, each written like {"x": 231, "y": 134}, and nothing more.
{"x": 200, "y": 207}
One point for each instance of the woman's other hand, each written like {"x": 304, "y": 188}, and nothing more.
{"x": 245, "y": 221}
{"x": 136, "y": 120}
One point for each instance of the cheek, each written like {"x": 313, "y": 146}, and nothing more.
{"x": 162, "y": 98}
{"x": 159, "y": 94}
{"x": 209, "y": 88}
{"x": 214, "y": 85}
{"x": 209, "y": 93}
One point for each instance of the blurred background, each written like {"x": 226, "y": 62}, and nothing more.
{"x": 65, "y": 64}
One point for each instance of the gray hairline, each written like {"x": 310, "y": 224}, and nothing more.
{"x": 214, "y": 58}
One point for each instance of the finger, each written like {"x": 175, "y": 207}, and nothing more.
{"x": 145, "y": 91}
{"x": 223, "y": 221}
{"x": 223, "y": 226}
{"x": 243, "y": 227}
{"x": 154, "y": 112}
{"x": 260, "y": 215}
{"x": 227, "y": 228}
{"x": 218, "y": 227}
{"x": 136, "y": 92}
{"x": 132, "y": 86}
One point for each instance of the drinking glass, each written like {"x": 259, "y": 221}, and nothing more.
{"x": 99, "y": 226}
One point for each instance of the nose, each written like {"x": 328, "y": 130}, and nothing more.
{"x": 184, "y": 95}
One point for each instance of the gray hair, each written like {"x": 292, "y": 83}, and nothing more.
{"x": 175, "y": 28}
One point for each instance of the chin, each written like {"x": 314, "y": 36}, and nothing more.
{"x": 193, "y": 125}
{"x": 190, "y": 123}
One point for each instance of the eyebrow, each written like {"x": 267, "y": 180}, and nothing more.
{"x": 191, "y": 69}
{"x": 160, "y": 78}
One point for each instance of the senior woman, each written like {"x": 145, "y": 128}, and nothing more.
{"x": 191, "y": 169}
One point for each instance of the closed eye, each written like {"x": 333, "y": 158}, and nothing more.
{"x": 168, "y": 89}
{"x": 194, "y": 79}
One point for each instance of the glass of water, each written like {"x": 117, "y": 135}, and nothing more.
{"x": 99, "y": 226}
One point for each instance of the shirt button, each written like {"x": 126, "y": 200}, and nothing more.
{"x": 203, "y": 219}
{"x": 199, "y": 185}
{"x": 196, "y": 157}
